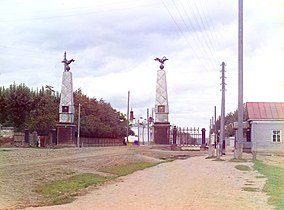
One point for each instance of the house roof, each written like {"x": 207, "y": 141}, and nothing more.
{"x": 265, "y": 110}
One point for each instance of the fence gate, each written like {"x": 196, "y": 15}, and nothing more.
{"x": 187, "y": 136}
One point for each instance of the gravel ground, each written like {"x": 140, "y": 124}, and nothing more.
{"x": 194, "y": 183}
{"x": 22, "y": 169}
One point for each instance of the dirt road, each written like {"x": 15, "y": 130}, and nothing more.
{"x": 23, "y": 169}
{"x": 194, "y": 183}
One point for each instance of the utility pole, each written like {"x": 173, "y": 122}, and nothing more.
{"x": 210, "y": 140}
{"x": 215, "y": 128}
{"x": 138, "y": 130}
{"x": 127, "y": 115}
{"x": 240, "y": 83}
{"x": 222, "y": 121}
{"x": 79, "y": 122}
{"x": 148, "y": 127}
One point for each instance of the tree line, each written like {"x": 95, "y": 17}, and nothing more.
{"x": 230, "y": 118}
{"x": 37, "y": 110}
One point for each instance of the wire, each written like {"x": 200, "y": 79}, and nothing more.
{"x": 198, "y": 20}
{"x": 184, "y": 36}
{"x": 199, "y": 40}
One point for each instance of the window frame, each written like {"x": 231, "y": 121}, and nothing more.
{"x": 278, "y": 136}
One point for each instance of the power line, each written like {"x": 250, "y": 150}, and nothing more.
{"x": 198, "y": 20}
{"x": 204, "y": 47}
{"x": 182, "y": 33}
{"x": 200, "y": 41}
{"x": 206, "y": 27}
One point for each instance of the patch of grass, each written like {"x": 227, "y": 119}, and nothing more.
{"x": 213, "y": 157}
{"x": 235, "y": 160}
{"x": 5, "y": 150}
{"x": 122, "y": 170}
{"x": 274, "y": 185}
{"x": 260, "y": 177}
{"x": 216, "y": 159}
{"x": 242, "y": 167}
{"x": 250, "y": 189}
{"x": 63, "y": 191}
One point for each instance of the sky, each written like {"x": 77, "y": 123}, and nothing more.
{"x": 114, "y": 44}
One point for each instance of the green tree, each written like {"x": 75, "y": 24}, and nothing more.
{"x": 38, "y": 110}
{"x": 44, "y": 114}
{"x": 18, "y": 105}
{"x": 98, "y": 118}
{"x": 230, "y": 118}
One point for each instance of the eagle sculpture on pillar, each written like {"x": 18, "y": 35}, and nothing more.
{"x": 162, "y": 61}
{"x": 67, "y": 62}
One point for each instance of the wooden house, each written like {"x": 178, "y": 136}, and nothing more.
{"x": 266, "y": 127}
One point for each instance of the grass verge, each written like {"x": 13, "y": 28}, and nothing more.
{"x": 5, "y": 150}
{"x": 212, "y": 157}
{"x": 122, "y": 170}
{"x": 274, "y": 185}
{"x": 235, "y": 160}
{"x": 242, "y": 167}
{"x": 64, "y": 191}
{"x": 250, "y": 189}
{"x": 218, "y": 159}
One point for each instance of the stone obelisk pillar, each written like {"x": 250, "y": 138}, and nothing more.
{"x": 161, "y": 125}
{"x": 66, "y": 126}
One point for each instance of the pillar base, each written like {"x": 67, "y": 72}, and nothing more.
{"x": 65, "y": 133}
{"x": 162, "y": 133}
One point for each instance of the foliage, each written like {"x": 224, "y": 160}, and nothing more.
{"x": 63, "y": 191}
{"x": 98, "y": 118}
{"x": 250, "y": 189}
{"x": 16, "y": 104}
{"x": 242, "y": 167}
{"x": 274, "y": 185}
{"x": 22, "y": 108}
{"x": 44, "y": 114}
{"x": 230, "y": 118}
{"x": 235, "y": 160}
{"x": 122, "y": 170}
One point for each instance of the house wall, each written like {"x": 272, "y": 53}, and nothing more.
{"x": 261, "y": 138}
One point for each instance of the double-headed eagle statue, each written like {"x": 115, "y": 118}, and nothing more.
{"x": 67, "y": 62}
{"x": 162, "y": 61}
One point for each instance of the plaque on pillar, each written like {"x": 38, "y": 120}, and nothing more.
{"x": 66, "y": 126}
{"x": 161, "y": 125}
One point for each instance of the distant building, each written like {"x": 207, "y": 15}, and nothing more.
{"x": 266, "y": 126}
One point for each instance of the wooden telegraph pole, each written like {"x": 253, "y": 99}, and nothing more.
{"x": 127, "y": 115}
{"x": 240, "y": 84}
{"x": 79, "y": 124}
{"x": 210, "y": 140}
{"x": 222, "y": 121}
{"x": 215, "y": 129}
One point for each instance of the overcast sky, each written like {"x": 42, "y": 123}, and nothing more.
{"x": 114, "y": 44}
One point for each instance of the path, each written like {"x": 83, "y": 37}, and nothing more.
{"x": 194, "y": 183}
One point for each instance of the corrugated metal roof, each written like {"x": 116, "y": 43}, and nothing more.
{"x": 265, "y": 110}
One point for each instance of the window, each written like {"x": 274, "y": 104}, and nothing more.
{"x": 276, "y": 136}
